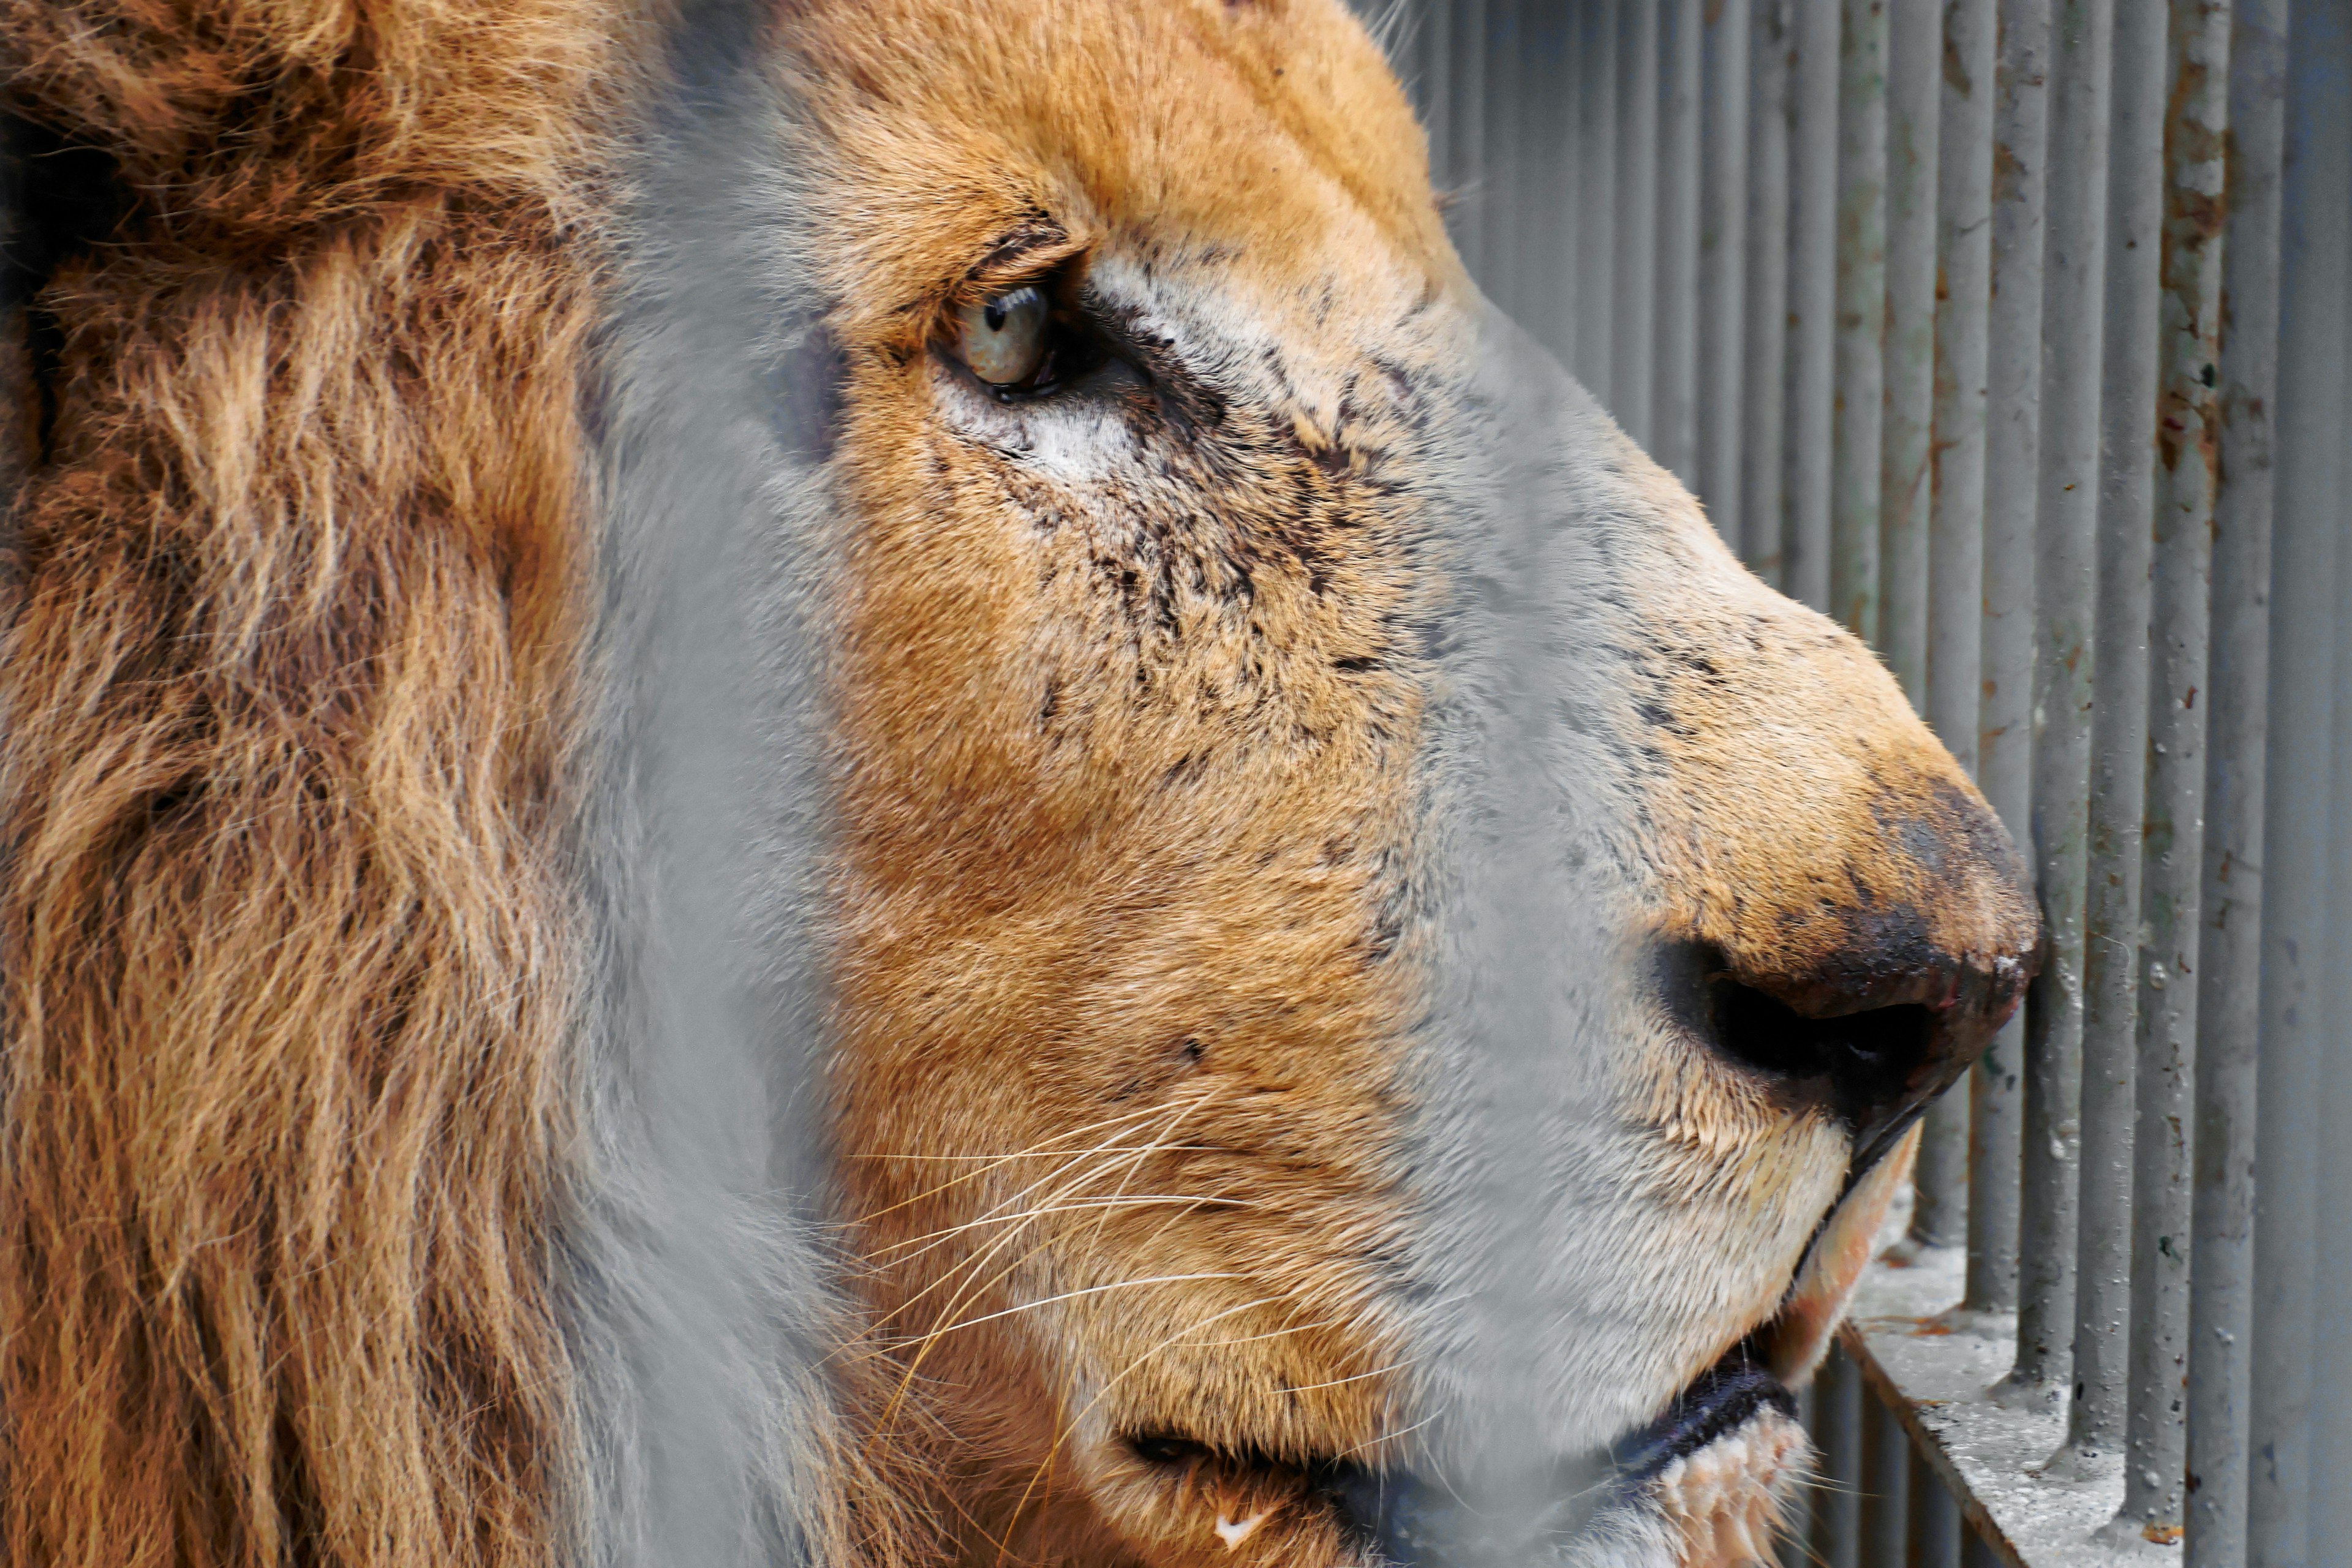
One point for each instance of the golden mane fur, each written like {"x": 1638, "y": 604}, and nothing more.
{"x": 294, "y": 617}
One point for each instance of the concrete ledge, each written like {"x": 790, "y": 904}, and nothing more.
{"x": 1933, "y": 1366}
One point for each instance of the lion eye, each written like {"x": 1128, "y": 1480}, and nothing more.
{"x": 1003, "y": 340}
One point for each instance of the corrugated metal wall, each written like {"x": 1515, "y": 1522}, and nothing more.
{"x": 2014, "y": 334}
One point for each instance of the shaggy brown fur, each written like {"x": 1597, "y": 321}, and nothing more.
{"x": 287, "y": 662}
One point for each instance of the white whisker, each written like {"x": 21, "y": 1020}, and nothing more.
{"x": 1074, "y": 1295}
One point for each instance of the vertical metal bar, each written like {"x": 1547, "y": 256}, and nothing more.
{"x": 2095, "y": 1422}
{"x": 1764, "y": 326}
{"x": 1936, "y": 1527}
{"x": 1858, "y": 413}
{"x": 1637, "y": 215}
{"x": 1506, "y": 155}
{"x": 1885, "y": 1483}
{"x": 1960, "y": 286}
{"x": 2073, "y": 264}
{"x": 1797, "y": 1537}
{"x": 2331, "y": 1423}
{"x": 1596, "y": 248}
{"x": 1673, "y": 406}
{"x": 1436, "y": 94}
{"x": 2189, "y": 417}
{"x": 2020, "y": 123}
{"x": 1547, "y": 270}
{"x": 1812, "y": 300}
{"x": 1837, "y": 1504}
{"x": 2256, "y": 374}
{"x": 2284, "y": 471}
{"x": 1723, "y": 152}
{"x": 1469, "y": 132}
{"x": 1914, "y": 54}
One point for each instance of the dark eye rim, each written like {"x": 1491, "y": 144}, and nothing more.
{"x": 1076, "y": 343}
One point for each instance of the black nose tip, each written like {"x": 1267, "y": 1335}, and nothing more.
{"x": 1872, "y": 1045}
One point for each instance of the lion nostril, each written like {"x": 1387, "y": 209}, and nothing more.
{"x": 1866, "y": 1066}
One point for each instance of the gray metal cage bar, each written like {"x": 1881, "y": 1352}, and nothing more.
{"x": 1674, "y": 409}
{"x": 2065, "y": 557}
{"x": 1764, "y": 329}
{"x": 1723, "y": 105}
{"x": 1812, "y": 85}
{"x": 1957, "y": 46}
{"x": 2020, "y": 117}
{"x": 2016, "y": 333}
{"x": 2291, "y": 1421}
{"x": 2187, "y": 473}
{"x": 1635, "y": 231}
{"x": 2118, "y": 734}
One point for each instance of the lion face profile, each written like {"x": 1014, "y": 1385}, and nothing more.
{"x": 1281, "y": 936}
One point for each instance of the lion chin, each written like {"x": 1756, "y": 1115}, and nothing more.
{"x": 1718, "y": 1479}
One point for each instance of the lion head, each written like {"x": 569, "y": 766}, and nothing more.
{"x": 1287, "y": 740}
{"x": 891, "y": 791}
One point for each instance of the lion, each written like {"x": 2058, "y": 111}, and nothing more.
{"x": 867, "y": 783}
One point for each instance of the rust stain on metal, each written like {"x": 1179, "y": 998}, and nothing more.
{"x": 2196, "y": 209}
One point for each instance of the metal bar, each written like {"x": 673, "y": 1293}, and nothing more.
{"x": 1596, "y": 251}
{"x": 1674, "y": 410}
{"x": 1837, "y": 1503}
{"x": 1906, "y": 485}
{"x": 1469, "y": 132}
{"x": 1764, "y": 326}
{"x": 1960, "y": 290}
{"x": 1936, "y": 1527}
{"x": 1501, "y": 216}
{"x": 1858, "y": 412}
{"x": 2094, "y": 1426}
{"x": 1631, "y": 375}
{"x": 1812, "y": 301}
{"x": 1471, "y": 106}
{"x": 1724, "y": 152}
{"x": 1885, "y": 1484}
{"x": 2331, "y": 1423}
{"x": 1548, "y": 269}
{"x": 1914, "y": 52}
{"x": 2283, "y": 472}
{"x": 1436, "y": 90}
{"x": 2189, "y": 417}
{"x": 2021, "y": 122}
{"x": 1796, "y": 1535}
{"x": 2073, "y": 267}
{"x": 1977, "y": 1552}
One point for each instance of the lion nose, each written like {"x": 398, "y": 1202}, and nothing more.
{"x": 1875, "y": 1052}
{"x": 1878, "y": 988}
{"x": 1875, "y": 1026}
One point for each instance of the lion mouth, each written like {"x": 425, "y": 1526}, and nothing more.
{"x": 1414, "y": 1523}
{"x": 1721, "y": 1400}
{"x": 1404, "y": 1519}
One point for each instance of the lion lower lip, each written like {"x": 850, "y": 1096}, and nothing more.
{"x": 1723, "y": 1398}
{"x": 1406, "y": 1517}
{"x": 1410, "y": 1521}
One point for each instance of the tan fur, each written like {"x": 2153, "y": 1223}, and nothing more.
{"x": 288, "y": 671}
{"x": 1011, "y": 948}
{"x": 1115, "y": 1064}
